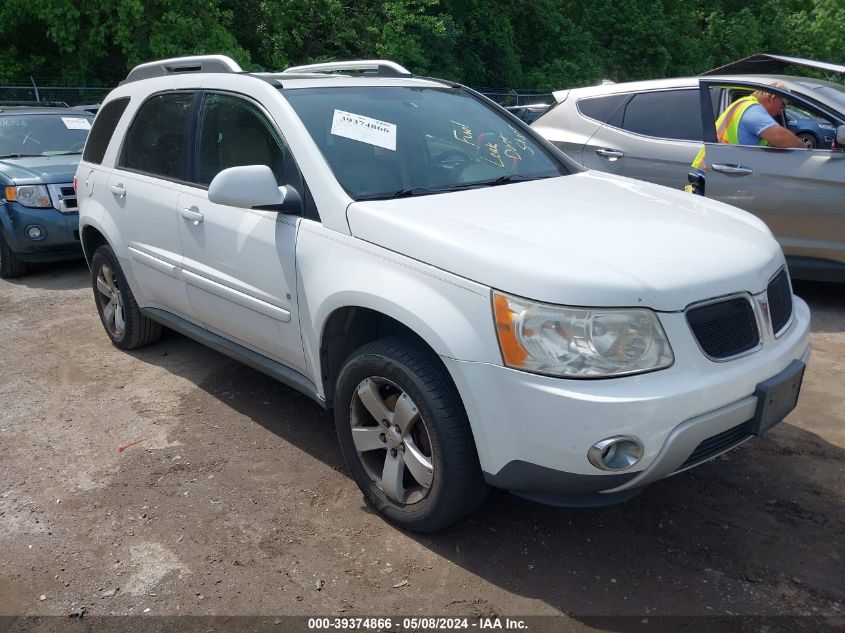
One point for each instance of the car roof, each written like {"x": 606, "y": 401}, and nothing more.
{"x": 790, "y": 83}
{"x": 12, "y": 110}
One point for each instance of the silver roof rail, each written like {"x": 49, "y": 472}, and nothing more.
{"x": 178, "y": 65}
{"x": 383, "y": 67}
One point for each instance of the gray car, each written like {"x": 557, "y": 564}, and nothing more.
{"x": 652, "y": 130}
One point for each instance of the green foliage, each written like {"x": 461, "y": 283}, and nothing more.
{"x": 535, "y": 44}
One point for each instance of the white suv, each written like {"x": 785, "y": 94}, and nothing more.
{"x": 475, "y": 308}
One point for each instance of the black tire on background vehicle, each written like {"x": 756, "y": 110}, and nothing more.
{"x": 126, "y": 326}
{"x": 405, "y": 436}
{"x": 809, "y": 139}
{"x": 10, "y": 265}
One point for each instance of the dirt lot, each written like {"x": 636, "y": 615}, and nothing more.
{"x": 235, "y": 499}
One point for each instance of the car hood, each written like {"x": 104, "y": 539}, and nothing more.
{"x": 588, "y": 239}
{"x": 30, "y": 170}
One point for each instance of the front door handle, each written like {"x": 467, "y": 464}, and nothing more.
{"x": 611, "y": 154}
{"x": 192, "y": 214}
{"x": 733, "y": 170}
{"x": 118, "y": 190}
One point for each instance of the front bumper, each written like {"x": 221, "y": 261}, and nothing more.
{"x": 533, "y": 432}
{"x": 62, "y": 233}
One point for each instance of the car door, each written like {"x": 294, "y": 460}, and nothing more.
{"x": 143, "y": 194}
{"x": 798, "y": 193}
{"x": 239, "y": 264}
{"x": 652, "y": 136}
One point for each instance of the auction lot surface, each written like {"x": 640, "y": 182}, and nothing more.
{"x": 236, "y": 499}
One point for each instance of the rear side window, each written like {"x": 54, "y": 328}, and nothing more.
{"x": 609, "y": 109}
{"x": 673, "y": 114}
{"x": 101, "y": 133}
{"x": 155, "y": 143}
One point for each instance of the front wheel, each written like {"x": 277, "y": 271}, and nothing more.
{"x": 10, "y": 265}
{"x": 126, "y": 326}
{"x": 404, "y": 434}
{"x": 809, "y": 140}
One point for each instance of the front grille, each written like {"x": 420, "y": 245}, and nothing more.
{"x": 779, "y": 293}
{"x": 725, "y": 329}
{"x": 63, "y": 197}
{"x": 719, "y": 443}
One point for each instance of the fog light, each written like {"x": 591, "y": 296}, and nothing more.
{"x": 616, "y": 453}
{"x": 35, "y": 232}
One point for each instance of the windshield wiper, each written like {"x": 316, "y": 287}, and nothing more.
{"x": 425, "y": 191}
{"x": 61, "y": 153}
{"x": 18, "y": 155}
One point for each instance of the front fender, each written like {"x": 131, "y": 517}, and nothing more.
{"x": 451, "y": 314}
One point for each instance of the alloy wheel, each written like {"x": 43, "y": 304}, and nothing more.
{"x": 111, "y": 301}
{"x": 392, "y": 440}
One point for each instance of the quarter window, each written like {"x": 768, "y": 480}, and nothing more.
{"x": 104, "y": 126}
{"x": 609, "y": 109}
{"x": 674, "y": 114}
{"x": 233, "y": 132}
{"x": 155, "y": 143}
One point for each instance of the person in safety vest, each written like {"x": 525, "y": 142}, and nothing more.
{"x": 748, "y": 121}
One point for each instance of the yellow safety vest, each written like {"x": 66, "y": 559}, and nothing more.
{"x": 727, "y": 127}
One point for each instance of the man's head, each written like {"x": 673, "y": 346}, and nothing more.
{"x": 773, "y": 103}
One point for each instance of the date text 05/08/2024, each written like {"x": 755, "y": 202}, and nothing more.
{"x": 415, "y": 624}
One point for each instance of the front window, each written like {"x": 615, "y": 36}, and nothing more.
{"x": 49, "y": 134}
{"x": 388, "y": 141}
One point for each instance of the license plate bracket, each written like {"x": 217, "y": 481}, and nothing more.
{"x": 777, "y": 397}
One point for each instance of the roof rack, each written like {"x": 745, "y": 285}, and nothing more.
{"x": 179, "y": 65}
{"x": 378, "y": 67}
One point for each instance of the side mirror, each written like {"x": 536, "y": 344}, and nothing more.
{"x": 247, "y": 187}
{"x": 840, "y": 136}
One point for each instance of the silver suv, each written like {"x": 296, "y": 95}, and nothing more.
{"x": 475, "y": 307}
{"x": 652, "y": 130}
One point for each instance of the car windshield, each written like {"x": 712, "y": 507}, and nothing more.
{"x": 389, "y": 141}
{"x": 49, "y": 134}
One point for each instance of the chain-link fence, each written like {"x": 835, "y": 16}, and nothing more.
{"x": 506, "y": 97}
{"x": 70, "y": 95}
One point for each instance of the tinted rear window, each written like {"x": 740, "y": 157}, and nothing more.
{"x": 155, "y": 143}
{"x": 674, "y": 114}
{"x": 607, "y": 109}
{"x": 103, "y": 129}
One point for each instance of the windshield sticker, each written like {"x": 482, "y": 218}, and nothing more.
{"x": 76, "y": 124}
{"x": 364, "y": 129}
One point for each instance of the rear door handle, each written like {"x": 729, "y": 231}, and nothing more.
{"x": 192, "y": 214}
{"x": 612, "y": 154}
{"x": 118, "y": 190}
{"x": 733, "y": 170}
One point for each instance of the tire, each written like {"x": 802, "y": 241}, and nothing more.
{"x": 809, "y": 139}
{"x": 10, "y": 265}
{"x": 423, "y": 438}
{"x": 119, "y": 313}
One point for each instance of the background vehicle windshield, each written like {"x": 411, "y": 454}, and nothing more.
{"x": 381, "y": 140}
{"x": 43, "y": 134}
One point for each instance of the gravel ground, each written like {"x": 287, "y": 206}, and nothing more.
{"x": 230, "y": 497}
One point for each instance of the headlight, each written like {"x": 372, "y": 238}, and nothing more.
{"x": 579, "y": 342}
{"x": 30, "y": 195}
{"x": 826, "y": 126}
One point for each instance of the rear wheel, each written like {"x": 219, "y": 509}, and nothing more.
{"x": 122, "y": 319}
{"x": 810, "y": 141}
{"x": 405, "y": 436}
{"x": 10, "y": 265}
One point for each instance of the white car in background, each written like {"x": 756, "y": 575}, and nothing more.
{"x": 476, "y": 308}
